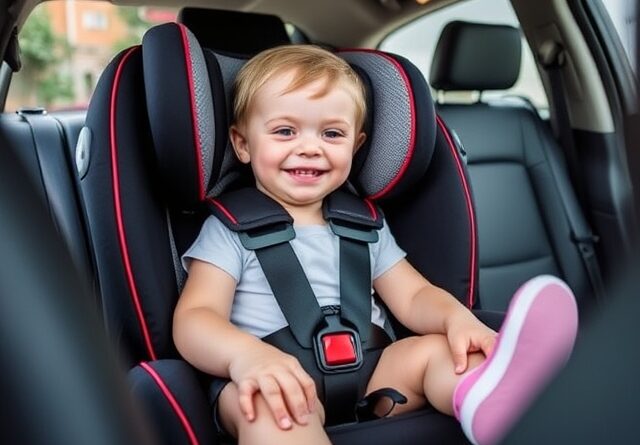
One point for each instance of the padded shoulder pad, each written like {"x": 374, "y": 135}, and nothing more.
{"x": 342, "y": 206}
{"x": 247, "y": 209}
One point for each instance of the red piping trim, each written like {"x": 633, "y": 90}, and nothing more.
{"x": 115, "y": 179}
{"x": 472, "y": 218}
{"x": 412, "y": 137}
{"x": 172, "y": 401}
{"x": 224, "y": 210}
{"x": 194, "y": 113}
{"x": 372, "y": 209}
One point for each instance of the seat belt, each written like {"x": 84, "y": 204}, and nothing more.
{"x": 45, "y": 134}
{"x": 266, "y": 228}
{"x": 299, "y": 305}
{"x": 54, "y": 160}
{"x": 291, "y": 290}
{"x": 344, "y": 212}
{"x": 553, "y": 58}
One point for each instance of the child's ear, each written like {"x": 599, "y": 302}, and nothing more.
{"x": 359, "y": 141}
{"x": 240, "y": 146}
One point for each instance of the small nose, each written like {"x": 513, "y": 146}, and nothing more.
{"x": 309, "y": 147}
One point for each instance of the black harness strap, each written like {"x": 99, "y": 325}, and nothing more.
{"x": 341, "y": 394}
{"x": 266, "y": 228}
{"x": 291, "y": 290}
{"x": 356, "y": 224}
{"x": 355, "y": 285}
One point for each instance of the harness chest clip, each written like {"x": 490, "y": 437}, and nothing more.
{"x": 337, "y": 347}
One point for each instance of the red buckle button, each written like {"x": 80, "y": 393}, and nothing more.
{"x": 339, "y": 349}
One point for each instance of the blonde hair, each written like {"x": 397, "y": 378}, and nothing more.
{"x": 309, "y": 64}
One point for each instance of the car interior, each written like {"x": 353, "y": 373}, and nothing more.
{"x": 483, "y": 191}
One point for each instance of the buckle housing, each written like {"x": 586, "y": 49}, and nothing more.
{"x": 337, "y": 347}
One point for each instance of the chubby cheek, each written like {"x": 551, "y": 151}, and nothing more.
{"x": 265, "y": 166}
{"x": 343, "y": 166}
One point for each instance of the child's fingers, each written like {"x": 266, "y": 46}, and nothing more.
{"x": 308, "y": 387}
{"x": 459, "y": 347}
{"x": 272, "y": 394}
{"x": 294, "y": 396}
{"x": 246, "y": 390}
{"x": 487, "y": 344}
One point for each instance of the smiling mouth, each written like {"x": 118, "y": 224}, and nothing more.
{"x": 305, "y": 172}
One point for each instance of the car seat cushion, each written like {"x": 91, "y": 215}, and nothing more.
{"x": 182, "y": 117}
{"x": 189, "y": 120}
{"x": 401, "y": 128}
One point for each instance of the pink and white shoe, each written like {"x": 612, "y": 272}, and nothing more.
{"x": 536, "y": 340}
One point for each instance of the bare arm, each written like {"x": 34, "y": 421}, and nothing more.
{"x": 427, "y": 309}
{"x": 205, "y": 338}
{"x": 201, "y": 328}
{"x": 415, "y": 302}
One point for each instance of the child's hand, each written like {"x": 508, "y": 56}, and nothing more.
{"x": 286, "y": 387}
{"x": 467, "y": 334}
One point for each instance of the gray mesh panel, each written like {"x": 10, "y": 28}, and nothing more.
{"x": 181, "y": 275}
{"x": 204, "y": 106}
{"x": 391, "y": 133}
{"x": 229, "y": 67}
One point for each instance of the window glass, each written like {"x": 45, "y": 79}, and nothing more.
{"x": 65, "y": 45}
{"x": 623, "y": 15}
{"x": 417, "y": 41}
{"x": 94, "y": 20}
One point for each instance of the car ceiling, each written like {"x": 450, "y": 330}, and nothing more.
{"x": 364, "y": 23}
{"x": 337, "y": 23}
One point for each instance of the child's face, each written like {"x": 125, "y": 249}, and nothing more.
{"x": 300, "y": 146}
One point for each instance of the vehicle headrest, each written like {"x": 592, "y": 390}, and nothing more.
{"x": 226, "y": 31}
{"x": 476, "y": 57}
{"x": 189, "y": 90}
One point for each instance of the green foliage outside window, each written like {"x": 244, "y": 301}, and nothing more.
{"x": 136, "y": 27}
{"x": 42, "y": 52}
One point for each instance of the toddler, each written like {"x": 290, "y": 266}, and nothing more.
{"x": 298, "y": 120}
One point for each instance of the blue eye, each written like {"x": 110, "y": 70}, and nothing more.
{"x": 332, "y": 134}
{"x": 284, "y": 131}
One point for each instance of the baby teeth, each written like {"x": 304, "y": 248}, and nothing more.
{"x": 306, "y": 172}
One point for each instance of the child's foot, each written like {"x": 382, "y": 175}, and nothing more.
{"x": 535, "y": 341}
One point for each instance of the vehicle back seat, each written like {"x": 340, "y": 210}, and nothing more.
{"x": 234, "y": 32}
{"x": 152, "y": 166}
{"x": 45, "y": 145}
{"x": 523, "y": 196}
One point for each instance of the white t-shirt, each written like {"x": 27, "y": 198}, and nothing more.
{"x": 255, "y": 309}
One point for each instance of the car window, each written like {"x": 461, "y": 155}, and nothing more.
{"x": 623, "y": 15}
{"x": 65, "y": 45}
{"x": 417, "y": 41}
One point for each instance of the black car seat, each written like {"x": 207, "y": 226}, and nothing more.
{"x": 41, "y": 142}
{"x": 158, "y": 120}
{"x": 52, "y": 335}
{"x": 529, "y": 221}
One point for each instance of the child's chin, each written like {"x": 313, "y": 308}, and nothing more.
{"x": 306, "y": 199}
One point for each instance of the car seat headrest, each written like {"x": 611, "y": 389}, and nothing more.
{"x": 401, "y": 124}
{"x": 476, "y": 57}
{"x": 226, "y": 31}
{"x": 189, "y": 90}
{"x": 180, "y": 106}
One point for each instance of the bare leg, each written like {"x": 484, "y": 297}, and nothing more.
{"x": 264, "y": 430}
{"x": 421, "y": 368}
